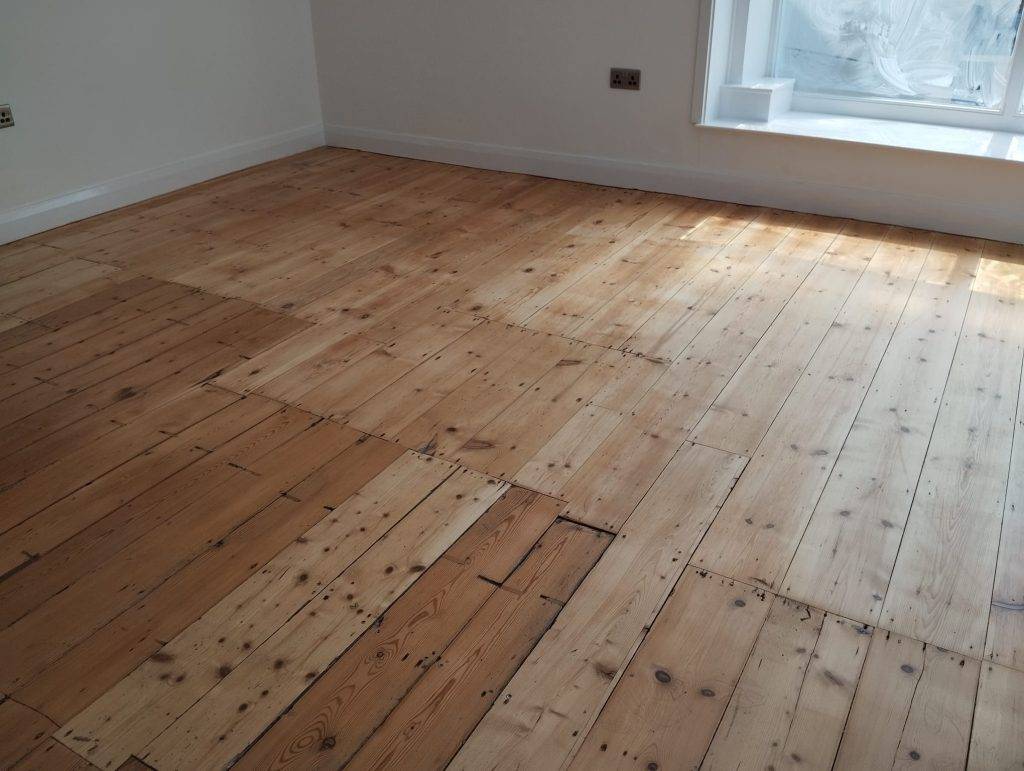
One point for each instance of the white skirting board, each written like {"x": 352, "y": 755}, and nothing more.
{"x": 925, "y": 212}
{"x": 33, "y": 218}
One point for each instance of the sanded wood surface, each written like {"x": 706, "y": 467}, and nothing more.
{"x": 348, "y": 460}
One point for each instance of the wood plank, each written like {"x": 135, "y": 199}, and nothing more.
{"x": 791, "y": 703}
{"x": 353, "y": 697}
{"x": 324, "y": 727}
{"x": 132, "y": 343}
{"x": 32, "y": 259}
{"x": 309, "y": 642}
{"x": 209, "y": 456}
{"x": 671, "y": 328}
{"x": 15, "y": 331}
{"x": 556, "y": 461}
{"x": 135, "y": 712}
{"x": 87, "y": 466}
{"x": 498, "y": 541}
{"x": 366, "y": 375}
{"x": 847, "y": 553}
{"x": 588, "y": 295}
{"x": 454, "y": 420}
{"x": 998, "y": 719}
{"x": 196, "y": 314}
{"x": 941, "y": 587}
{"x": 113, "y": 651}
{"x": 278, "y": 360}
{"x": 7, "y": 323}
{"x": 609, "y": 484}
{"x": 545, "y": 709}
{"x": 556, "y": 267}
{"x": 753, "y": 542}
{"x": 146, "y": 385}
{"x": 1005, "y": 639}
{"x": 503, "y": 445}
{"x": 673, "y": 265}
{"x": 913, "y": 706}
{"x": 667, "y": 705}
{"x": 76, "y": 511}
{"x": 47, "y": 302}
{"x": 399, "y": 404}
{"x": 24, "y": 296}
{"x": 663, "y": 293}
{"x": 90, "y": 602}
{"x": 741, "y": 415}
{"x": 431, "y": 722}
{"x": 725, "y": 224}
{"x": 407, "y": 291}
{"x": 52, "y": 756}
{"x": 68, "y": 337}
{"x": 22, "y": 729}
{"x": 80, "y": 308}
{"x": 17, "y": 247}
{"x": 533, "y": 272}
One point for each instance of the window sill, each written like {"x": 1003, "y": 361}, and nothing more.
{"x": 979, "y": 143}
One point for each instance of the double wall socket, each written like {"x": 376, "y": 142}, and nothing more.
{"x": 6, "y": 116}
{"x": 623, "y": 78}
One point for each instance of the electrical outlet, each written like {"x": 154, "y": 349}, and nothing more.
{"x": 623, "y": 78}
{"x": 6, "y": 116}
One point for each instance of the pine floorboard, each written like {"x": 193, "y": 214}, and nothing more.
{"x": 354, "y": 460}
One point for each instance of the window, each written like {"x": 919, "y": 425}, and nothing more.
{"x": 948, "y": 52}
{"x": 952, "y": 63}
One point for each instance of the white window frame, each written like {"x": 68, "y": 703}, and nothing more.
{"x": 745, "y": 74}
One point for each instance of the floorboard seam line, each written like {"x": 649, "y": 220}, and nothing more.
{"x": 587, "y": 525}
{"x": 879, "y": 626}
{"x": 27, "y": 706}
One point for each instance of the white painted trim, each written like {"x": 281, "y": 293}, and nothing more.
{"x": 761, "y": 100}
{"x": 29, "y": 219}
{"x": 998, "y": 146}
{"x": 919, "y": 211}
{"x": 702, "y": 61}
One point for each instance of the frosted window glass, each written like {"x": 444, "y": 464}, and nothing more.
{"x": 935, "y": 51}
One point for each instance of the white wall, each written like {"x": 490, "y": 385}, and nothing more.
{"x": 523, "y": 85}
{"x": 115, "y": 100}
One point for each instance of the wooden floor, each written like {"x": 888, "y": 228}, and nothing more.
{"x": 349, "y": 459}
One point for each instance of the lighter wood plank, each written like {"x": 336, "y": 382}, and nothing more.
{"x": 755, "y": 542}
{"x": 913, "y": 706}
{"x": 847, "y": 553}
{"x": 1005, "y": 639}
{"x": 667, "y": 705}
{"x": 791, "y": 702}
{"x": 998, "y": 720}
{"x": 741, "y": 415}
{"x": 609, "y": 484}
{"x": 941, "y": 587}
